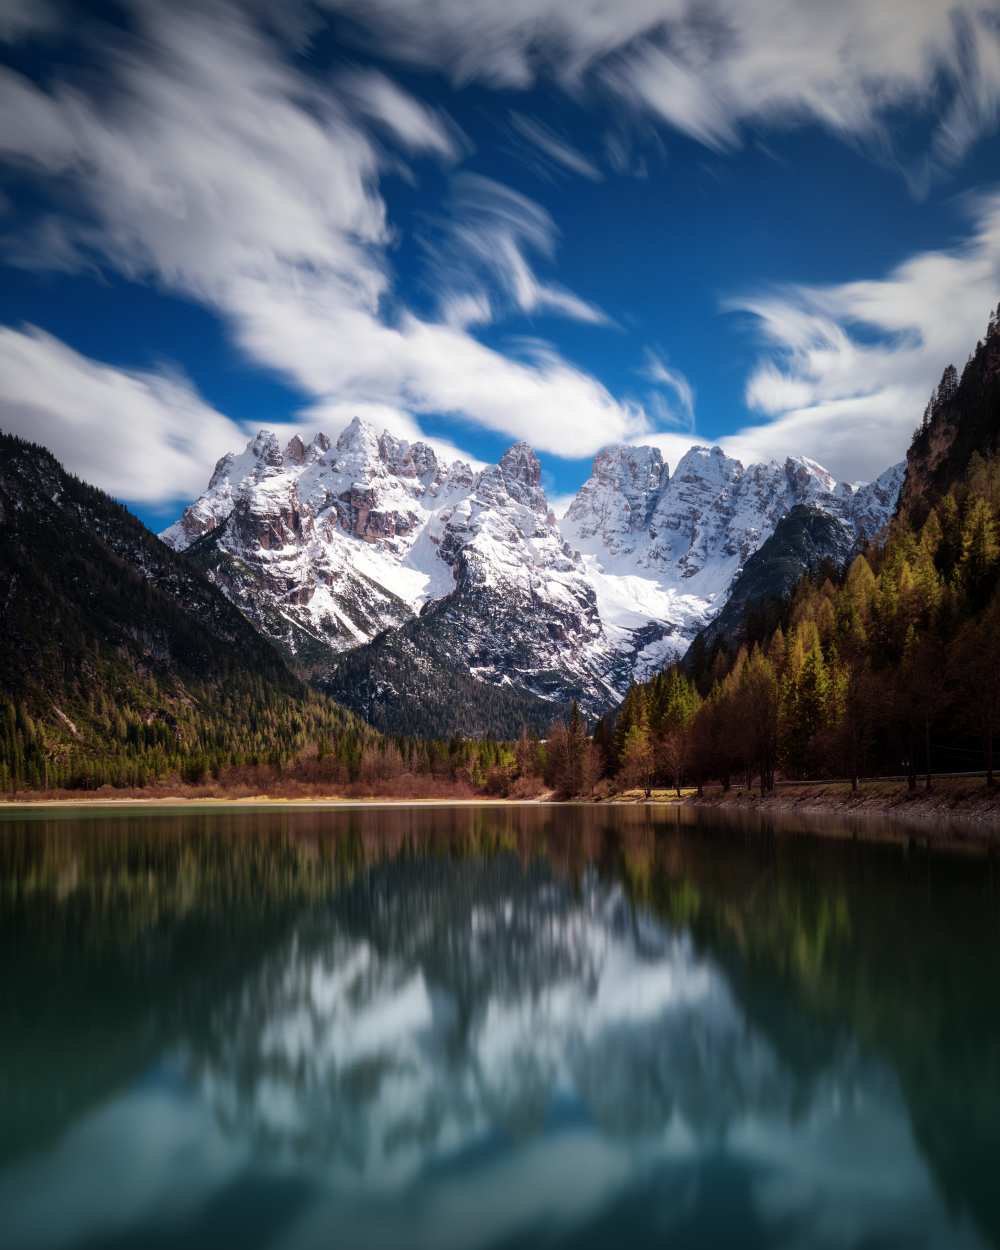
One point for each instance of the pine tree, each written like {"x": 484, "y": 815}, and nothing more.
{"x": 980, "y": 552}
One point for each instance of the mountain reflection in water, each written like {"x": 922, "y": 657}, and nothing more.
{"x": 490, "y": 1027}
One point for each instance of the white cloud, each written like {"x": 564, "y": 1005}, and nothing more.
{"x": 141, "y": 434}
{"x": 488, "y": 234}
{"x": 710, "y": 70}
{"x": 208, "y": 163}
{"x": 850, "y": 366}
{"x": 679, "y": 411}
{"x": 204, "y": 159}
{"x": 554, "y": 146}
{"x": 847, "y": 369}
{"x": 417, "y": 127}
{"x": 20, "y": 19}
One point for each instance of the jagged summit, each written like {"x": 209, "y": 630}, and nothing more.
{"x": 663, "y": 549}
{"x": 326, "y": 545}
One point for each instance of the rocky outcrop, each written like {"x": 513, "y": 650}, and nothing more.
{"x": 320, "y": 544}
{"x": 962, "y": 418}
{"x": 802, "y": 542}
{"x": 327, "y": 547}
{"x": 663, "y": 551}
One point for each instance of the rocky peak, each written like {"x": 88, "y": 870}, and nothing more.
{"x": 409, "y": 460}
{"x": 707, "y": 465}
{"x": 360, "y": 439}
{"x": 872, "y": 504}
{"x": 521, "y": 473}
{"x": 618, "y": 498}
{"x": 520, "y": 464}
{"x": 221, "y": 470}
{"x": 266, "y": 448}
{"x": 295, "y": 450}
{"x": 806, "y": 477}
{"x": 961, "y": 418}
{"x": 327, "y": 546}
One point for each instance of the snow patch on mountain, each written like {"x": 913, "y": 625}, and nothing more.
{"x": 326, "y": 545}
{"x": 663, "y": 551}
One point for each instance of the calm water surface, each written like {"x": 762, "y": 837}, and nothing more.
{"x": 487, "y": 1027}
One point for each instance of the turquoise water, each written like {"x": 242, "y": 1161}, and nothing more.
{"x": 490, "y": 1027}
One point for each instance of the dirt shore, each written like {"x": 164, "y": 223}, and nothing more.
{"x": 949, "y": 799}
{"x": 259, "y": 800}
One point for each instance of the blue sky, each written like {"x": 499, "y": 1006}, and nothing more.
{"x": 755, "y": 222}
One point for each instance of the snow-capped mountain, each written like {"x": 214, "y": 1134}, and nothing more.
{"x": 327, "y": 546}
{"x": 662, "y": 550}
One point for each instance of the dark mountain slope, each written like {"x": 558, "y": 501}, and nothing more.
{"x": 119, "y": 661}
{"x": 406, "y": 682}
{"x": 802, "y": 542}
{"x": 962, "y": 418}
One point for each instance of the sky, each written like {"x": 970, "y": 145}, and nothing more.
{"x": 767, "y": 224}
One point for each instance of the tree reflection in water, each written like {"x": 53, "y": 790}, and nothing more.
{"x": 494, "y": 1025}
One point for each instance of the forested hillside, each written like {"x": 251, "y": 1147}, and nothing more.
{"x": 891, "y": 667}
{"x": 121, "y": 664}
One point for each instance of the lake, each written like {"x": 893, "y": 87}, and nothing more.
{"x": 491, "y": 1027}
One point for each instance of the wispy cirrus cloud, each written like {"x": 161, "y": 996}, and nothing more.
{"x": 710, "y": 70}
{"x": 678, "y": 409}
{"x": 208, "y": 162}
{"x": 20, "y": 19}
{"x": 414, "y": 125}
{"x": 552, "y": 145}
{"x": 143, "y": 433}
{"x": 846, "y": 369}
{"x": 486, "y": 242}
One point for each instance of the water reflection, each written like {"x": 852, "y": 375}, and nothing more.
{"x": 490, "y": 1027}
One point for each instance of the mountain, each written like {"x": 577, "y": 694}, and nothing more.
{"x": 326, "y": 546}
{"x": 962, "y": 419}
{"x": 392, "y": 579}
{"x": 802, "y": 542}
{"x": 663, "y": 552}
{"x": 118, "y": 659}
{"x": 520, "y": 618}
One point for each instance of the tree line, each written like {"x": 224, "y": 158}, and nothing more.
{"x": 891, "y": 667}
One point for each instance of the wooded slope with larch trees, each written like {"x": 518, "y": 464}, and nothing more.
{"x": 122, "y": 665}
{"x": 889, "y": 666}
{"x": 119, "y": 663}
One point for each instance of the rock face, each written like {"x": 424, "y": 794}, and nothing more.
{"x": 379, "y": 570}
{"x": 326, "y": 545}
{"x": 662, "y": 551}
{"x": 521, "y": 614}
{"x": 962, "y": 419}
{"x": 802, "y": 542}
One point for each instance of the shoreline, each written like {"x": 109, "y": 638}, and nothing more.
{"x": 956, "y": 813}
{"x": 331, "y": 802}
{"x": 949, "y": 797}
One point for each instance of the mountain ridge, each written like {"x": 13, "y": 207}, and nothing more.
{"x": 120, "y": 661}
{"x": 329, "y": 546}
